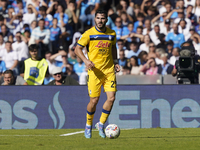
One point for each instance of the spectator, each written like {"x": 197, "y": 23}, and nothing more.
{"x": 2, "y": 67}
{"x": 9, "y": 19}
{"x": 125, "y": 20}
{"x": 134, "y": 51}
{"x": 151, "y": 13}
{"x": 20, "y": 47}
{"x": 70, "y": 72}
{"x": 118, "y": 28}
{"x": 5, "y": 32}
{"x": 62, "y": 18}
{"x": 145, "y": 45}
{"x": 88, "y": 9}
{"x": 55, "y": 35}
{"x": 163, "y": 43}
{"x": 182, "y": 16}
{"x": 4, "y": 6}
{"x": 197, "y": 28}
{"x": 30, "y": 15}
{"x": 143, "y": 55}
{"x": 175, "y": 56}
{"x": 126, "y": 35}
{"x": 166, "y": 28}
{"x": 9, "y": 56}
{"x": 135, "y": 69}
{"x": 79, "y": 67}
{"x": 2, "y": 21}
{"x": 53, "y": 6}
{"x": 72, "y": 56}
{"x": 10, "y": 79}
{"x": 51, "y": 62}
{"x": 165, "y": 68}
{"x": 150, "y": 68}
{"x": 197, "y": 8}
{"x": 19, "y": 8}
{"x": 120, "y": 46}
{"x": 189, "y": 3}
{"x": 34, "y": 69}
{"x": 27, "y": 36}
{"x": 152, "y": 49}
{"x": 33, "y": 25}
{"x": 147, "y": 28}
{"x": 175, "y": 36}
{"x": 170, "y": 45}
{"x": 59, "y": 79}
{"x": 19, "y": 23}
{"x": 154, "y": 34}
{"x": 190, "y": 15}
{"x": 47, "y": 17}
{"x": 122, "y": 59}
{"x": 73, "y": 15}
{"x": 159, "y": 52}
{"x": 41, "y": 36}
{"x": 139, "y": 22}
{"x": 182, "y": 29}
{"x": 2, "y": 43}
{"x": 60, "y": 59}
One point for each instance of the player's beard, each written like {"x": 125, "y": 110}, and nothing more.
{"x": 100, "y": 26}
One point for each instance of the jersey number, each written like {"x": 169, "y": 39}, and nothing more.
{"x": 113, "y": 83}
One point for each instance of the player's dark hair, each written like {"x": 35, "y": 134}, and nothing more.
{"x": 33, "y": 47}
{"x": 101, "y": 11}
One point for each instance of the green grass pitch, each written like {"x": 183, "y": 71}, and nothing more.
{"x": 133, "y": 139}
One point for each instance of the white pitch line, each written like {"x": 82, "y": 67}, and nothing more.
{"x": 73, "y": 133}
{"x": 27, "y": 135}
{"x": 68, "y": 134}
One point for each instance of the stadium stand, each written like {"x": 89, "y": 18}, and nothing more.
{"x": 145, "y": 29}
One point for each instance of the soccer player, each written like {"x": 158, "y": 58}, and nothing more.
{"x": 101, "y": 64}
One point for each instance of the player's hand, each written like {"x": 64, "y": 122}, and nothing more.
{"x": 117, "y": 67}
{"x": 89, "y": 65}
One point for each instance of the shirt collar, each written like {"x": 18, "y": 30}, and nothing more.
{"x": 100, "y": 30}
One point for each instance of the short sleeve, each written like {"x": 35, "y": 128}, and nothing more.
{"x": 84, "y": 39}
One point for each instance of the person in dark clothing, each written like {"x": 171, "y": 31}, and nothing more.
{"x": 59, "y": 79}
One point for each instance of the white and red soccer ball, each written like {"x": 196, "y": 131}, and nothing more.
{"x": 112, "y": 131}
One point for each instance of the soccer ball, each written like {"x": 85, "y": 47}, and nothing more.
{"x": 112, "y": 131}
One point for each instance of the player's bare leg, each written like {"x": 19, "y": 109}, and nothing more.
{"x": 91, "y": 108}
{"x": 105, "y": 112}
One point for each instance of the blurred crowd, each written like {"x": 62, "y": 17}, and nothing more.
{"x": 149, "y": 35}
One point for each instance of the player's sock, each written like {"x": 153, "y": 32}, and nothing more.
{"x": 89, "y": 116}
{"x": 104, "y": 116}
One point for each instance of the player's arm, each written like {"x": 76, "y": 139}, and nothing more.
{"x": 78, "y": 51}
{"x": 114, "y": 55}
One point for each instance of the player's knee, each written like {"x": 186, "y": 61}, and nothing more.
{"x": 94, "y": 101}
{"x": 111, "y": 99}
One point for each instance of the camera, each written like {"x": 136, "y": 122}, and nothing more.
{"x": 187, "y": 65}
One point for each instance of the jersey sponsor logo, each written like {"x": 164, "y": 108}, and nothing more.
{"x": 96, "y": 37}
{"x": 103, "y": 45}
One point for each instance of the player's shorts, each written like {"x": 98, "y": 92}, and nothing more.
{"x": 95, "y": 82}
